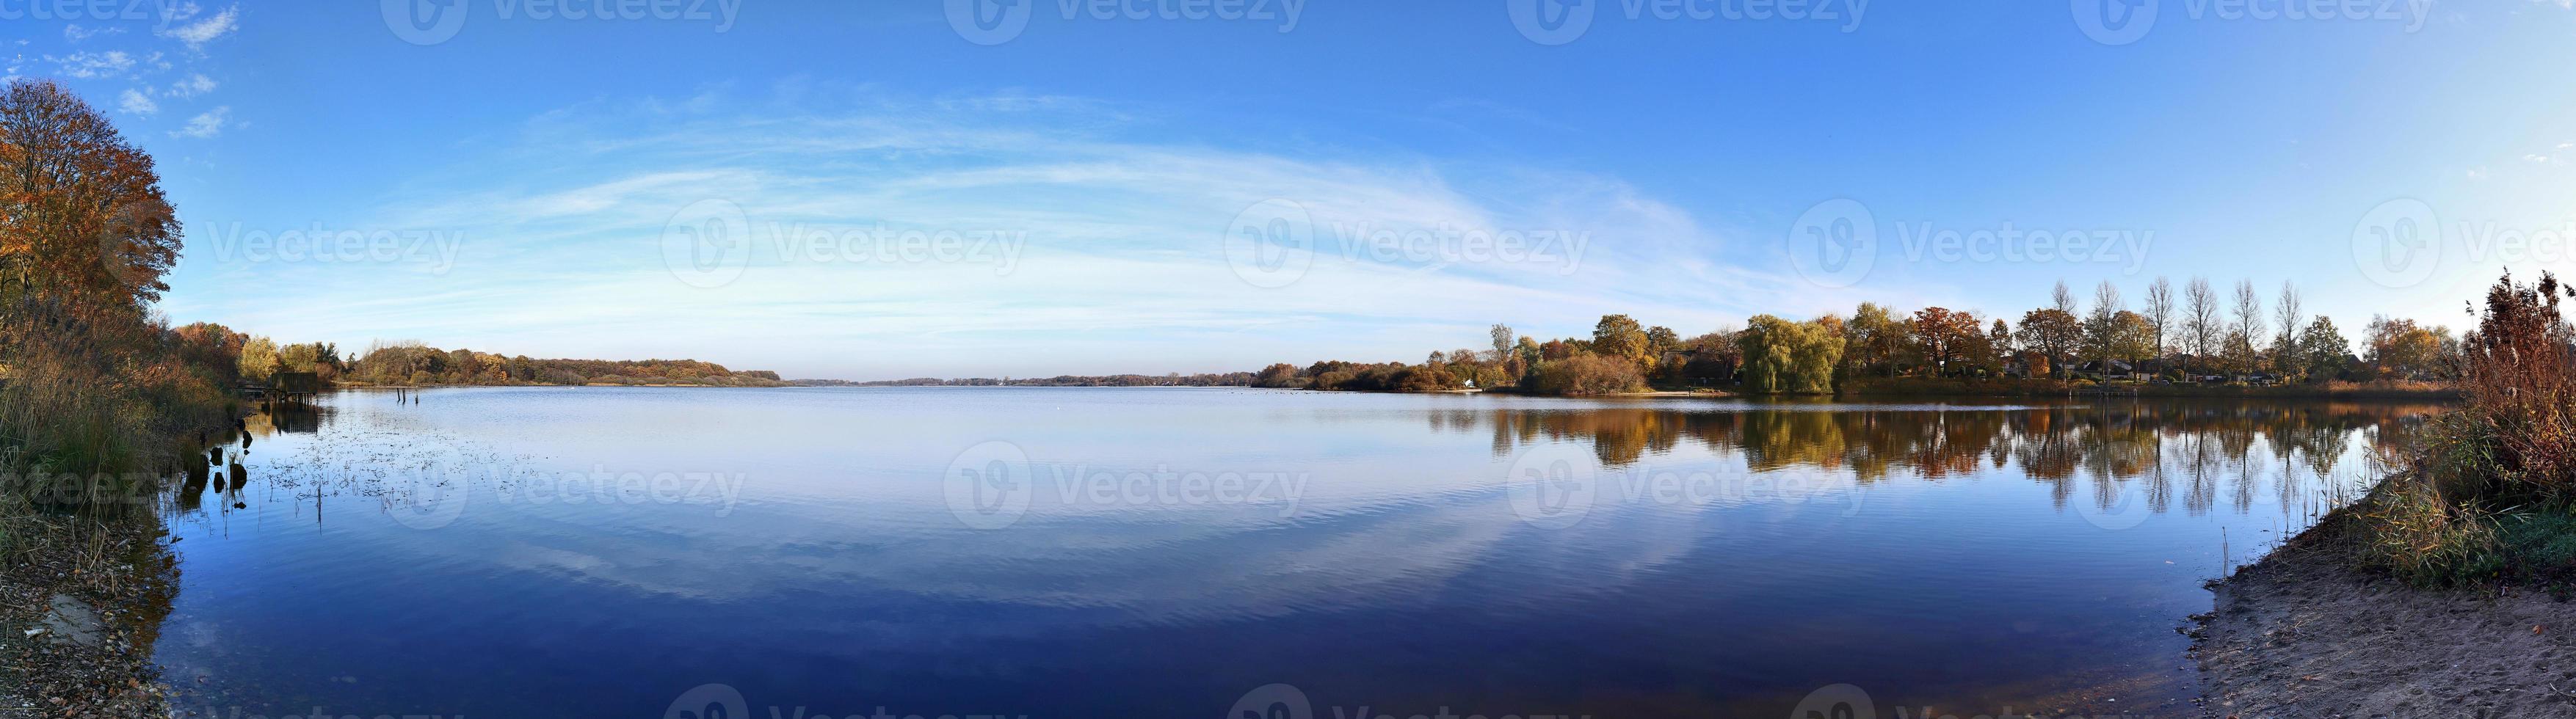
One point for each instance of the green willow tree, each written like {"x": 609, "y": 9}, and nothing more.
{"x": 1781, "y": 356}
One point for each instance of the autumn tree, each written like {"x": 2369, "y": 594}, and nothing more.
{"x": 83, "y": 222}
{"x": 1873, "y": 338}
{"x": 2052, "y": 332}
{"x": 1714, "y": 356}
{"x": 2132, "y": 337}
{"x": 1943, "y": 335}
{"x": 1999, "y": 340}
{"x": 1661, "y": 339}
{"x": 299, "y": 357}
{"x": 1621, "y": 337}
{"x": 258, "y": 358}
{"x": 2401, "y": 348}
{"x": 1277, "y": 375}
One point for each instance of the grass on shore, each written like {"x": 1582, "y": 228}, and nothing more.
{"x": 2487, "y": 496}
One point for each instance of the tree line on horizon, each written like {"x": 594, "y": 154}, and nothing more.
{"x": 1173, "y": 379}
{"x": 2194, "y": 335}
{"x": 410, "y": 362}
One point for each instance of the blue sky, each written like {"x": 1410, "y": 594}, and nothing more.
{"x": 869, "y": 190}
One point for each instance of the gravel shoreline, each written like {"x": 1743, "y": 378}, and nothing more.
{"x": 2301, "y": 634}
{"x": 77, "y": 641}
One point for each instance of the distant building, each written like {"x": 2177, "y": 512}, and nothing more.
{"x": 2106, "y": 370}
{"x": 296, "y": 382}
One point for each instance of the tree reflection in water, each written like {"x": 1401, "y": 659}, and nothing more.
{"x": 2197, "y": 448}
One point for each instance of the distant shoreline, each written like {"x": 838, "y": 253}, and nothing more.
{"x": 2020, "y": 389}
{"x": 2062, "y": 388}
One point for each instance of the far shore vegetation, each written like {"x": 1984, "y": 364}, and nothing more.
{"x": 1221, "y": 379}
{"x": 2190, "y": 343}
{"x": 408, "y": 363}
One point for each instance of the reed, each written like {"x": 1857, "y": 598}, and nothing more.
{"x": 2486, "y": 496}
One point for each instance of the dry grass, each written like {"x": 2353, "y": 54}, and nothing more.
{"x": 2487, "y": 496}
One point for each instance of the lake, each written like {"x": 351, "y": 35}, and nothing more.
{"x": 1069, "y": 552}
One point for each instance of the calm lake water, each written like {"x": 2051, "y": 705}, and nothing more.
{"x": 635, "y": 552}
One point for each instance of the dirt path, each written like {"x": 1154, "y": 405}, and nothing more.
{"x": 2299, "y": 636}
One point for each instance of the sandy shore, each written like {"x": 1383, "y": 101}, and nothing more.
{"x": 2298, "y": 635}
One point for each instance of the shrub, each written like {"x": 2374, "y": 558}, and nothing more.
{"x": 2488, "y": 496}
{"x": 1584, "y": 375}
{"x": 2519, "y": 386}
{"x": 2414, "y": 531}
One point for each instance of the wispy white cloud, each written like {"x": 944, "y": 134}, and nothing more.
{"x": 92, "y": 65}
{"x": 136, "y": 103}
{"x": 196, "y": 34}
{"x": 194, "y": 85}
{"x": 1124, "y": 266}
{"x": 76, "y": 33}
{"x": 207, "y": 124}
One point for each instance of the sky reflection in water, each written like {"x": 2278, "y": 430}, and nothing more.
{"x": 1162, "y": 552}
